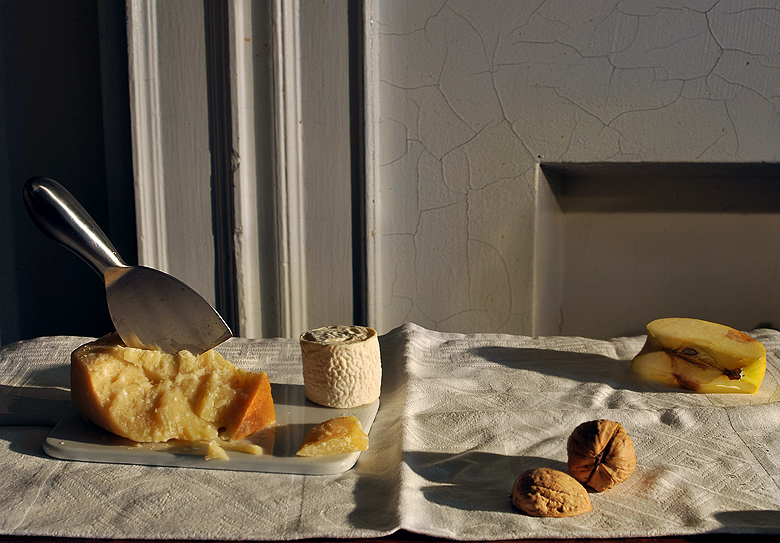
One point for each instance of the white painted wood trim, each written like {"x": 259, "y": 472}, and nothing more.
{"x": 373, "y": 196}
{"x": 547, "y": 259}
{"x": 287, "y": 91}
{"x": 169, "y": 116}
{"x": 247, "y": 246}
{"x": 147, "y": 133}
{"x": 163, "y": 167}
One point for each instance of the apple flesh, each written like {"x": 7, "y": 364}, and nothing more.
{"x": 701, "y": 356}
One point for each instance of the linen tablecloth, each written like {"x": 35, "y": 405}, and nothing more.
{"x": 461, "y": 416}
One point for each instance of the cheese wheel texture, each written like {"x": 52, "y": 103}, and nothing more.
{"x": 152, "y": 396}
{"x": 341, "y": 365}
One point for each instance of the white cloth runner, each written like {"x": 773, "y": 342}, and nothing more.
{"x": 461, "y": 416}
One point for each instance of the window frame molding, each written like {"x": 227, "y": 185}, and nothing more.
{"x": 274, "y": 266}
{"x": 288, "y": 94}
{"x": 146, "y": 132}
{"x": 373, "y": 195}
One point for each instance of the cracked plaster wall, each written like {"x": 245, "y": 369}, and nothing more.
{"x": 472, "y": 95}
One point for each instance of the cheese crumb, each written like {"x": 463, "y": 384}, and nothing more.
{"x": 216, "y": 452}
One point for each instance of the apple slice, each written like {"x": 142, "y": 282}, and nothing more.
{"x": 701, "y": 356}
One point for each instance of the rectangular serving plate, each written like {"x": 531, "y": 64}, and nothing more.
{"x": 75, "y": 439}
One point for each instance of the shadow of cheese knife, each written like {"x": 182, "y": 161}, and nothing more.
{"x": 149, "y": 308}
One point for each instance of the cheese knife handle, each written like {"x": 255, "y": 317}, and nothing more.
{"x": 60, "y": 216}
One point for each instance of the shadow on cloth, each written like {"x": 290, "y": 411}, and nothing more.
{"x": 473, "y": 480}
{"x": 768, "y": 520}
{"x": 582, "y": 367}
{"x": 378, "y": 487}
{"x": 377, "y": 490}
{"x": 36, "y": 407}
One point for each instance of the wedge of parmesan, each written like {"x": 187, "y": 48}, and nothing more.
{"x": 341, "y": 365}
{"x": 334, "y": 436}
{"x": 152, "y": 396}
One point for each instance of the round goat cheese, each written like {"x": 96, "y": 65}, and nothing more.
{"x": 341, "y": 365}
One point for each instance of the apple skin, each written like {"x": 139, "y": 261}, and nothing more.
{"x": 701, "y": 356}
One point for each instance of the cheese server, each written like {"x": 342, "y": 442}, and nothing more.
{"x": 149, "y": 308}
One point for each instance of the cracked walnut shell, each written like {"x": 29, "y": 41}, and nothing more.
{"x": 545, "y": 492}
{"x": 601, "y": 454}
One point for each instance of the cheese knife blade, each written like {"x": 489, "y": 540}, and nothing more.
{"x": 149, "y": 308}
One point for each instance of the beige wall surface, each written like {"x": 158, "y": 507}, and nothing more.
{"x": 471, "y": 97}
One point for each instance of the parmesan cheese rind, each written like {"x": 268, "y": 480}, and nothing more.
{"x": 152, "y": 396}
{"x": 341, "y": 365}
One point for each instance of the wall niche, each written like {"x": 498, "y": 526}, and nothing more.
{"x": 621, "y": 244}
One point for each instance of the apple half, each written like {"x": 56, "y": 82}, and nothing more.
{"x": 701, "y": 356}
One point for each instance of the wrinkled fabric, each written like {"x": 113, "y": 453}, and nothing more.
{"x": 461, "y": 416}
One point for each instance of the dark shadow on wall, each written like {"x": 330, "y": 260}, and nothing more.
{"x": 64, "y": 114}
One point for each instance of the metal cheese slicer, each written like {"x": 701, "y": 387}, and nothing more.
{"x": 149, "y": 308}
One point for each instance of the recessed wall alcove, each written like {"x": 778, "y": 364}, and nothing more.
{"x": 621, "y": 244}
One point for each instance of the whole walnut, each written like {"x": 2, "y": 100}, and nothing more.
{"x": 601, "y": 454}
{"x": 545, "y": 492}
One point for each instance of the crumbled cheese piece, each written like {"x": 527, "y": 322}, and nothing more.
{"x": 216, "y": 452}
{"x": 334, "y": 436}
{"x": 248, "y": 448}
{"x": 152, "y": 396}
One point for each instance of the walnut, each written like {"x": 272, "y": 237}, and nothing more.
{"x": 601, "y": 454}
{"x": 544, "y": 492}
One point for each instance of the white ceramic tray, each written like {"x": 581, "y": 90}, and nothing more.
{"x": 75, "y": 439}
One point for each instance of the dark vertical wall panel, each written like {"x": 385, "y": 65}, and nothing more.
{"x": 63, "y": 114}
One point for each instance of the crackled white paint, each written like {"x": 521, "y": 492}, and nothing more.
{"x": 470, "y": 96}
